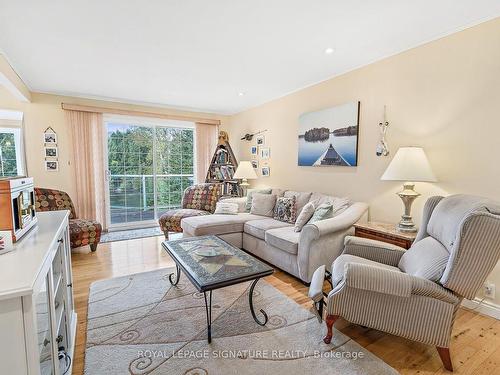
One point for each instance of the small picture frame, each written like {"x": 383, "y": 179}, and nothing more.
{"x": 6, "y": 244}
{"x": 265, "y": 153}
{"x": 51, "y": 165}
{"x": 255, "y": 164}
{"x": 51, "y": 152}
{"x": 260, "y": 140}
{"x": 253, "y": 150}
{"x": 50, "y": 138}
{"x": 266, "y": 172}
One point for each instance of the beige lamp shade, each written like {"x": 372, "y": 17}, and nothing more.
{"x": 245, "y": 171}
{"x": 409, "y": 164}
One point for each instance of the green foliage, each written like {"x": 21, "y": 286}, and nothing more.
{"x": 130, "y": 150}
{"x": 8, "y": 161}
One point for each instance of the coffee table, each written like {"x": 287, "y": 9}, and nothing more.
{"x": 227, "y": 266}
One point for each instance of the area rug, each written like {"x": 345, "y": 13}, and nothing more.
{"x": 123, "y": 235}
{"x": 139, "y": 325}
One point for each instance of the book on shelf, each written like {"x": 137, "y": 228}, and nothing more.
{"x": 221, "y": 156}
{"x": 231, "y": 188}
{"x": 223, "y": 166}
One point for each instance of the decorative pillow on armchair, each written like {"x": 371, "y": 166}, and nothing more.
{"x": 286, "y": 209}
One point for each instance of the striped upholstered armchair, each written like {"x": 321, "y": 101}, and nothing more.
{"x": 81, "y": 231}
{"x": 199, "y": 199}
{"x": 416, "y": 294}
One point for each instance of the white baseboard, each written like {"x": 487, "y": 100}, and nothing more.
{"x": 485, "y": 307}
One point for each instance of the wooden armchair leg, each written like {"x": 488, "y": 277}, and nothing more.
{"x": 166, "y": 234}
{"x": 93, "y": 246}
{"x": 330, "y": 320}
{"x": 444, "y": 354}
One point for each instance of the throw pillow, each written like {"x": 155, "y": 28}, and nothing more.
{"x": 302, "y": 198}
{"x": 286, "y": 209}
{"x": 427, "y": 258}
{"x": 263, "y": 204}
{"x": 250, "y": 193}
{"x": 340, "y": 204}
{"x": 226, "y": 208}
{"x": 324, "y": 211}
{"x": 330, "y": 209}
{"x": 304, "y": 216}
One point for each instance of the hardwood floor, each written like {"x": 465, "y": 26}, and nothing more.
{"x": 475, "y": 347}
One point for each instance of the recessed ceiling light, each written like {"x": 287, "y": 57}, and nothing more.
{"x": 329, "y": 51}
{"x": 241, "y": 93}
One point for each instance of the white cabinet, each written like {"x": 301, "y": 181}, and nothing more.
{"x": 37, "y": 317}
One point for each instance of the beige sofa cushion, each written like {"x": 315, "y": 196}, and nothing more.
{"x": 285, "y": 239}
{"x": 257, "y": 228}
{"x": 216, "y": 224}
{"x": 301, "y": 199}
{"x": 263, "y": 204}
{"x": 250, "y": 193}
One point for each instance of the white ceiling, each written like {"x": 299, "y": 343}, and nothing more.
{"x": 200, "y": 54}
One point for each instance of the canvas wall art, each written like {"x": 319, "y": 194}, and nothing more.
{"x": 329, "y": 137}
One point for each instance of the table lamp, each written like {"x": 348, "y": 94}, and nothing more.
{"x": 410, "y": 164}
{"x": 245, "y": 171}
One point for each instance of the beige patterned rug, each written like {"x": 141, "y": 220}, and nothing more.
{"x": 139, "y": 324}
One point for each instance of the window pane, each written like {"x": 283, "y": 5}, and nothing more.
{"x": 133, "y": 178}
{"x": 10, "y": 152}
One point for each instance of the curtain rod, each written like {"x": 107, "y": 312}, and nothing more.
{"x": 126, "y": 112}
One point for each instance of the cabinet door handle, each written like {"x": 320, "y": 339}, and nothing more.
{"x": 60, "y": 240}
{"x": 46, "y": 342}
{"x": 70, "y": 285}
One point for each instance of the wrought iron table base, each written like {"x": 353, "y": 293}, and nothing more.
{"x": 208, "y": 303}
{"x": 177, "y": 276}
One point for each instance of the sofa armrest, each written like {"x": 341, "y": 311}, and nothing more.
{"x": 377, "y": 251}
{"x": 322, "y": 242}
{"x": 344, "y": 220}
{"x": 240, "y": 201}
{"x": 399, "y": 284}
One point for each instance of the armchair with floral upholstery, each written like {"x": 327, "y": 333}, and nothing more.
{"x": 81, "y": 231}
{"x": 199, "y": 199}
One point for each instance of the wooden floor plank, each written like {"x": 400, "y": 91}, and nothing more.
{"x": 475, "y": 346}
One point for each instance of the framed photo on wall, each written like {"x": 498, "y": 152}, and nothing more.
{"x": 329, "y": 137}
{"x": 253, "y": 150}
{"x": 50, "y": 137}
{"x": 265, "y": 153}
{"x": 255, "y": 164}
{"x": 260, "y": 140}
{"x": 51, "y": 152}
{"x": 51, "y": 165}
{"x": 266, "y": 172}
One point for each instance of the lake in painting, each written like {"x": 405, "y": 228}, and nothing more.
{"x": 329, "y": 137}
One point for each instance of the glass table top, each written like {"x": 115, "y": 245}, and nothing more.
{"x": 211, "y": 263}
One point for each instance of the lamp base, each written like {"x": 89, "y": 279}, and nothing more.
{"x": 407, "y": 195}
{"x": 244, "y": 186}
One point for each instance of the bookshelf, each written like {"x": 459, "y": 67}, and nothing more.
{"x": 223, "y": 166}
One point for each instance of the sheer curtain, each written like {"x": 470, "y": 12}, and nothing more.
{"x": 87, "y": 131}
{"x": 206, "y": 137}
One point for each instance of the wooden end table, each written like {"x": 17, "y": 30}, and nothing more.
{"x": 384, "y": 232}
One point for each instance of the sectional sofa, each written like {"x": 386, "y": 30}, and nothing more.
{"x": 298, "y": 253}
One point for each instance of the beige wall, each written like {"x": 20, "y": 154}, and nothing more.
{"x": 443, "y": 96}
{"x": 44, "y": 111}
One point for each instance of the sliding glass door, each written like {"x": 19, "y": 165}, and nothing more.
{"x": 149, "y": 166}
